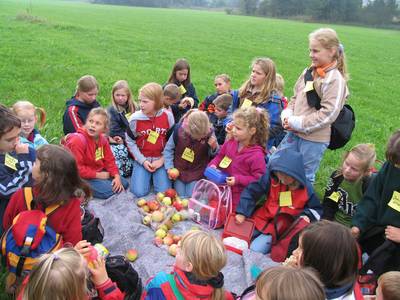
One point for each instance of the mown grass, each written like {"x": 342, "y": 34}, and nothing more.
{"x": 42, "y": 55}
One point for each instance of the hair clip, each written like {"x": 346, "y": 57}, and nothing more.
{"x": 341, "y": 48}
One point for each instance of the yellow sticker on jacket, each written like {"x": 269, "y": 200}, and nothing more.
{"x": 188, "y": 155}
{"x": 128, "y": 115}
{"x": 285, "y": 198}
{"x": 309, "y": 86}
{"x": 225, "y": 162}
{"x": 246, "y": 103}
{"x": 99, "y": 153}
{"x": 153, "y": 137}
{"x": 335, "y": 196}
{"x": 10, "y": 161}
{"x": 395, "y": 201}
{"x": 182, "y": 89}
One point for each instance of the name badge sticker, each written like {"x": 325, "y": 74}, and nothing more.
{"x": 285, "y": 198}
{"x": 395, "y": 201}
{"x": 225, "y": 162}
{"x": 99, "y": 153}
{"x": 335, "y": 196}
{"x": 309, "y": 86}
{"x": 188, "y": 155}
{"x": 246, "y": 103}
{"x": 153, "y": 137}
{"x": 10, "y": 162}
{"x": 182, "y": 89}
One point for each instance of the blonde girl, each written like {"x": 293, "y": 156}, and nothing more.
{"x": 242, "y": 156}
{"x": 122, "y": 107}
{"x": 197, "y": 270}
{"x": 193, "y": 136}
{"x": 149, "y": 127}
{"x": 28, "y": 114}
{"x": 96, "y": 162}
{"x": 347, "y": 185}
{"x": 79, "y": 106}
{"x": 62, "y": 275}
{"x": 310, "y": 128}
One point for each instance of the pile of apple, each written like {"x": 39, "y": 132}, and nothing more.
{"x": 170, "y": 198}
{"x": 164, "y": 237}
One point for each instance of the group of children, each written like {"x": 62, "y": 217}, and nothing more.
{"x": 269, "y": 149}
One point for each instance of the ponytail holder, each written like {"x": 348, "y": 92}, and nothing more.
{"x": 259, "y": 110}
{"x": 217, "y": 282}
{"x": 55, "y": 257}
{"x": 341, "y": 48}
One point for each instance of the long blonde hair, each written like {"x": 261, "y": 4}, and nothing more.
{"x": 123, "y": 85}
{"x": 207, "y": 255}
{"x": 58, "y": 276}
{"x": 268, "y": 67}
{"x": 329, "y": 39}
{"x": 22, "y": 105}
{"x": 197, "y": 124}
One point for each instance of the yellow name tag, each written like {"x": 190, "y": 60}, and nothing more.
{"x": 153, "y": 136}
{"x": 246, "y": 103}
{"x": 285, "y": 198}
{"x": 395, "y": 201}
{"x": 309, "y": 86}
{"x": 335, "y": 196}
{"x": 225, "y": 162}
{"x": 99, "y": 153}
{"x": 128, "y": 115}
{"x": 10, "y": 161}
{"x": 182, "y": 89}
{"x": 188, "y": 155}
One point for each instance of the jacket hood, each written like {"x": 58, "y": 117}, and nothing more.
{"x": 75, "y": 102}
{"x": 289, "y": 162}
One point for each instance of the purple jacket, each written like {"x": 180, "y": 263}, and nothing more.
{"x": 247, "y": 166}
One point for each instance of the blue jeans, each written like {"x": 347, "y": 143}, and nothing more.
{"x": 102, "y": 188}
{"x": 184, "y": 189}
{"x": 261, "y": 243}
{"x": 141, "y": 180}
{"x": 312, "y": 152}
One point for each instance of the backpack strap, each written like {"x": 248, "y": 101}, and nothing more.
{"x": 28, "y": 195}
{"x": 312, "y": 97}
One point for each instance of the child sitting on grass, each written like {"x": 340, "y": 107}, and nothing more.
{"x": 221, "y": 118}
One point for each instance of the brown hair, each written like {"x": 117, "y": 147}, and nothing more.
{"x": 26, "y": 105}
{"x": 123, "y": 85}
{"x": 8, "y": 120}
{"x": 268, "y": 67}
{"x": 154, "y": 92}
{"x": 393, "y": 148}
{"x": 287, "y": 283}
{"x": 60, "y": 177}
{"x": 86, "y": 83}
{"x": 180, "y": 64}
{"x": 223, "y": 101}
{"x": 171, "y": 90}
{"x": 389, "y": 285}
{"x": 331, "y": 250}
{"x": 102, "y": 112}
{"x": 329, "y": 39}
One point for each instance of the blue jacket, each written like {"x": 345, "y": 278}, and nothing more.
{"x": 38, "y": 140}
{"x": 119, "y": 124}
{"x": 291, "y": 163}
{"x": 75, "y": 114}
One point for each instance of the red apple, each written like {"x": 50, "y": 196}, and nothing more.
{"x": 176, "y": 238}
{"x": 170, "y": 193}
{"x": 173, "y": 173}
{"x": 131, "y": 254}
{"x": 178, "y": 205}
{"x": 153, "y": 205}
{"x": 168, "y": 241}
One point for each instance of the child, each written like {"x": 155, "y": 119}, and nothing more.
{"x": 180, "y": 76}
{"x": 16, "y": 158}
{"x": 388, "y": 286}
{"x": 242, "y": 157}
{"x": 121, "y": 109}
{"x": 329, "y": 249}
{"x": 222, "y": 85}
{"x": 26, "y": 112}
{"x": 310, "y": 128}
{"x": 56, "y": 181}
{"x": 196, "y": 274}
{"x": 63, "y": 275}
{"x": 287, "y": 191}
{"x": 280, "y": 89}
{"x": 376, "y": 221}
{"x": 260, "y": 91}
{"x": 80, "y": 104}
{"x": 94, "y": 157}
{"x": 347, "y": 185}
{"x": 172, "y": 96}
{"x": 221, "y": 119}
{"x": 189, "y": 150}
{"x": 149, "y": 126}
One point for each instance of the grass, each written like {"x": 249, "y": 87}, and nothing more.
{"x": 43, "y": 54}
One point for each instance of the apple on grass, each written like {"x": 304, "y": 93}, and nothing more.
{"x": 131, "y": 254}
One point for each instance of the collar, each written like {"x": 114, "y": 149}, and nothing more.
{"x": 334, "y": 293}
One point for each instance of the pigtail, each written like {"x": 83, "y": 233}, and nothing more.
{"x": 42, "y": 114}
{"x": 262, "y": 127}
{"x": 218, "y": 294}
{"x": 341, "y": 62}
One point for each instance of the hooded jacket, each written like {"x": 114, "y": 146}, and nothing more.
{"x": 75, "y": 114}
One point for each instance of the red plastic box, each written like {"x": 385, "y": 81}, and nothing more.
{"x": 242, "y": 231}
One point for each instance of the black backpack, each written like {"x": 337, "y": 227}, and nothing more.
{"x": 92, "y": 231}
{"x": 343, "y": 126}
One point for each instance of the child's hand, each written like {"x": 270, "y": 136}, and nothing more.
{"x": 118, "y": 140}
{"x": 22, "y": 148}
{"x": 98, "y": 270}
{"x": 82, "y": 247}
{"x": 240, "y": 218}
{"x": 116, "y": 183}
{"x": 230, "y": 181}
{"x": 305, "y": 218}
{"x": 148, "y": 166}
{"x": 212, "y": 142}
{"x": 291, "y": 262}
{"x": 392, "y": 233}
{"x": 355, "y": 231}
{"x": 213, "y": 166}
{"x": 169, "y": 175}
{"x": 158, "y": 163}
{"x": 102, "y": 175}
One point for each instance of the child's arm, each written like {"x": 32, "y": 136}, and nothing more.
{"x": 257, "y": 169}
{"x": 330, "y": 206}
{"x": 109, "y": 159}
{"x": 77, "y": 148}
{"x": 169, "y": 152}
{"x": 14, "y": 207}
{"x": 313, "y": 207}
{"x": 115, "y": 125}
{"x": 191, "y": 92}
{"x": 133, "y": 147}
{"x": 213, "y": 145}
{"x": 72, "y": 223}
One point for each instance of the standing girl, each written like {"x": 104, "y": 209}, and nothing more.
{"x": 27, "y": 113}
{"x": 347, "y": 185}
{"x": 197, "y": 271}
{"x": 180, "y": 76}
{"x": 149, "y": 127}
{"x": 189, "y": 149}
{"x": 310, "y": 128}
{"x": 56, "y": 182}
{"x": 94, "y": 157}
{"x": 122, "y": 107}
{"x": 242, "y": 157}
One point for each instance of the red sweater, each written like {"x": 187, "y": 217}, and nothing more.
{"x": 84, "y": 151}
{"x": 65, "y": 220}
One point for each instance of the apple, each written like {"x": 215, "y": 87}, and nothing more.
{"x": 164, "y": 227}
{"x": 176, "y": 238}
{"x": 153, "y": 205}
{"x": 178, "y": 205}
{"x": 173, "y": 173}
{"x": 173, "y": 249}
{"x": 176, "y": 218}
{"x": 157, "y": 216}
{"x": 146, "y": 220}
{"x": 158, "y": 241}
{"x": 170, "y": 193}
{"x": 169, "y": 224}
{"x": 163, "y": 209}
{"x": 185, "y": 203}
{"x": 167, "y": 201}
{"x": 168, "y": 241}
{"x": 160, "y": 233}
{"x": 160, "y": 196}
{"x": 141, "y": 202}
{"x": 131, "y": 254}
{"x": 146, "y": 208}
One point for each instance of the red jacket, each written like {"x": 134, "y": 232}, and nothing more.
{"x": 65, "y": 220}
{"x": 84, "y": 151}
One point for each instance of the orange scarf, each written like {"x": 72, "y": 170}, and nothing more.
{"x": 321, "y": 71}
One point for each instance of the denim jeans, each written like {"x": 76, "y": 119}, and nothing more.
{"x": 184, "y": 189}
{"x": 141, "y": 180}
{"x": 312, "y": 152}
{"x": 102, "y": 188}
{"x": 261, "y": 243}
